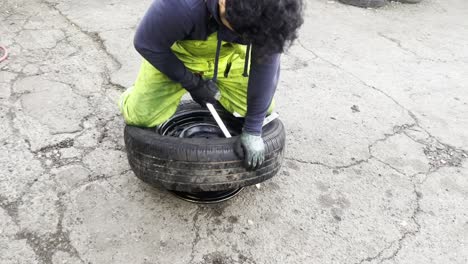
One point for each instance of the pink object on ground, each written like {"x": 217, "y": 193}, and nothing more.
{"x": 5, "y": 53}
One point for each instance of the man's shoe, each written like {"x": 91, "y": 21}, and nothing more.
{"x": 367, "y": 3}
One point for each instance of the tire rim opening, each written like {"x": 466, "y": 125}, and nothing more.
{"x": 199, "y": 124}
{"x": 207, "y": 197}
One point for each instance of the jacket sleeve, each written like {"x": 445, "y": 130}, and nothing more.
{"x": 164, "y": 23}
{"x": 264, "y": 75}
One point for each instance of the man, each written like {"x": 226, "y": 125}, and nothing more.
{"x": 205, "y": 46}
{"x": 375, "y": 3}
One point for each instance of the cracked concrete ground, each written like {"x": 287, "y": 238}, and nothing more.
{"x": 376, "y": 108}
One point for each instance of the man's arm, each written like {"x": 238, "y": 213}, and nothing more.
{"x": 164, "y": 23}
{"x": 264, "y": 74}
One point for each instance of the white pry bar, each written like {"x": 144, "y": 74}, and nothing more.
{"x": 270, "y": 118}
{"x": 218, "y": 120}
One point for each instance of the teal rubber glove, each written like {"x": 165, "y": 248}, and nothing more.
{"x": 252, "y": 149}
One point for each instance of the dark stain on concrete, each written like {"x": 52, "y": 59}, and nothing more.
{"x": 292, "y": 165}
{"x": 233, "y": 219}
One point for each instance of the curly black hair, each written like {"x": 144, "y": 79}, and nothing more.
{"x": 271, "y": 25}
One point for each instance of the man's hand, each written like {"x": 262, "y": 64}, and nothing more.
{"x": 252, "y": 149}
{"x": 204, "y": 92}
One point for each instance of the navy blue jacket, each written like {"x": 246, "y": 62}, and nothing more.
{"x": 168, "y": 21}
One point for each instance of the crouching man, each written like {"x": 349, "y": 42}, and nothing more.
{"x": 209, "y": 47}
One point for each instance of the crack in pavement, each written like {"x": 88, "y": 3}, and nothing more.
{"x": 66, "y": 143}
{"x": 45, "y": 246}
{"x": 362, "y": 82}
{"x": 440, "y": 154}
{"x": 306, "y": 48}
{"x": 399, "y": 241}
{"x": 389, "y": 165}
{"x": 417, "y": 210}
{"x": 196, "y": 228}
{"x": 96, "y": 38}
{"x": 410, "y": 113}
{"x": 407, "y": 234}
{"x": 402, "y": 129}
{"x": 11, "y": 208}
{"x": 400, "y": 46}
{"x": 415, "y": 54}
{"x": 334, "y": 167}
{"x": 396, "y": 130}
{"x": 377, "y": 256}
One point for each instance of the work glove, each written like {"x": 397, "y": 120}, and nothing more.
{"x": 252, "y": 149}
{"x": 204, "y": 91}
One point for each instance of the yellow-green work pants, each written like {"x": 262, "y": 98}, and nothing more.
{"x": 154, "y": 97}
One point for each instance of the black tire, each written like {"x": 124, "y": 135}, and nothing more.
{"x": 199, "y": 164}
{"x": 365, "y": 3}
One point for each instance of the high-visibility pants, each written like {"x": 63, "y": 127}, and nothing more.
{"x": 154, "y": 97}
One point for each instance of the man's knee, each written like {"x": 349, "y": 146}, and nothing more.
{"x": 130, "y": 112}
{"x": 146, "y": 113}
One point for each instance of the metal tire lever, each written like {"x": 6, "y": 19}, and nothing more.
{"x": 218, "y": 120}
